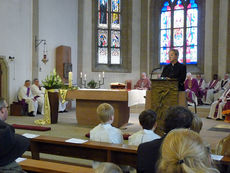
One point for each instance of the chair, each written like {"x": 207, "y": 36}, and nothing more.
{"x": 222, "y": 147}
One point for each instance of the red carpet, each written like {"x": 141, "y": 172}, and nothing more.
{"x": 29, "y": 127}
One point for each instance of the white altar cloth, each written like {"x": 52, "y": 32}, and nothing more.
{"x": 136, "y": 97}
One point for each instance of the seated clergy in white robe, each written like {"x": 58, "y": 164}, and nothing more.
{"x": 211, "y": 88}
{"x": 217, "y": 106}
{"x": 223, "y": 85}
{"x": 25, "y": 95}
{"x": 38, "y": 93}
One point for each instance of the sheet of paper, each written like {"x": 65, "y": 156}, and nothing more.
{"x": 28, "y": 135}
{"x": 20, "y": 159}
{"x": 216, "y": 157}
{"x": 76, "y": 141}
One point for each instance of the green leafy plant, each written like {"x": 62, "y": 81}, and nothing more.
{"x": 53, "y": 81}
{"x": 92, "y": 84}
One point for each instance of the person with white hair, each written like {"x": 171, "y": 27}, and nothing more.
{"x": 191, "y": 89}
{"x": 143, "y": 83}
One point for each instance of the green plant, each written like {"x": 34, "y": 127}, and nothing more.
{"x": 92, "y": 84}
{"x": 52, "y": 81}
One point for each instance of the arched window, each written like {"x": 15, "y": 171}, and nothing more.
{"x": 179, "y": 29}
{"x": 108, "y": 32}
{"x": 112, "y": 38}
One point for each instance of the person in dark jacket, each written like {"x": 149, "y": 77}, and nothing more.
{"x": 148, "y": 153}
{"x": 175, "y": 70}
{"x": 12, "y": 145}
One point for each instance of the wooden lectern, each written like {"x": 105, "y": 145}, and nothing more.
{"x": 164, "y": 93}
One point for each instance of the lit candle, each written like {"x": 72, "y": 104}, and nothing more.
{"x": 99, "y": 77}
{"x": 85, "y": 76}
{"x": 70, "y": 79}
{"x": 81, "y": 74}
{"x": 103, "y": 74}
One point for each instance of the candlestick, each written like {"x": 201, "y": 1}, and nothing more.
{"x": 103, "y": 74}
{"x": 99, "y": 76}
{"x": 85, "y": 76}
{"x": 70, "y": 79}
{"x": 81, "y": 74}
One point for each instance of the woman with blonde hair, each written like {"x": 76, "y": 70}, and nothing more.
{"x": 183, "y": 151}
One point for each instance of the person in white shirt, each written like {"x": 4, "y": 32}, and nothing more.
{"x": 147, "y": 120}
{"x": 25, "y": 95}
{"x": 105, "y": 132}
{"x": 38, "y": 92}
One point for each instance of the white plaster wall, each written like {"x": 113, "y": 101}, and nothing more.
{"x": 87, "y": 48}
{"x": 58, "y": 25}
{"x": 16, "y": 40}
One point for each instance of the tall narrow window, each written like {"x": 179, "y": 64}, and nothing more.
{"x": 179, "y": 29}
{"x": 108, "y": 32}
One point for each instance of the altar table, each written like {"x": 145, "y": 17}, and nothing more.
{"x": 87, "y": 101}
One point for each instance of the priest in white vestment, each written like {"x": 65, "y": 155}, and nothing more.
{"x": 212, "y": 87}
{"x": 38, "y": 93}
{"x": 223, "y": 85}
{"x": 25, "y": 95}
{"x": 217, "y": 106}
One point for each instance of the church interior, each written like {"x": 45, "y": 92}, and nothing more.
{"x": 97, "y": 45}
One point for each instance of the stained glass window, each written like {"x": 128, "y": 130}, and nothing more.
{"x": 108, "y": 32}
{"x": 179, "y": 30}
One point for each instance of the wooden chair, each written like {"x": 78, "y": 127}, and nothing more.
{"x": 18, "y": 108}
{"x": 31, "y": 165}
{"x": 223, "y": 146}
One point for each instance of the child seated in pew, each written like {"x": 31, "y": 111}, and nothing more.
{"x": 105, "y": 132}
{"x": 147, "y": 120}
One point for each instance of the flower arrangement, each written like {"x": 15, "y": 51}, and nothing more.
{"x": 92, "y": 84}
{"x": 53, "y": 81}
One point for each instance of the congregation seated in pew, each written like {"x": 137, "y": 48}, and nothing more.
{"x": 12, "y": 145}
{"x": 149, "y": 153}
{"x": 147, "y": 120}
{"x": 183, "y": 151}
{"x": 107, "y": 167}
{"x": 105, "y": 132}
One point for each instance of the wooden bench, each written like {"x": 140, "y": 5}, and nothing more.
{"x": 98, "y": 151}
{"x": 51, "y": 167}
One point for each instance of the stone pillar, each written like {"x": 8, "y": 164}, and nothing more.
{"x": 223, "y": 32}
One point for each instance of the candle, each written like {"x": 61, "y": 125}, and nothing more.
{"x": 99, "y": 77}
{"x": 70, "y": 79}
{"x": 81, "y": 74}
{"x": 85, "y": 76}
{"x": 103, "y": 74}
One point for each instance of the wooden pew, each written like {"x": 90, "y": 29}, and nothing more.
{"x": 51, "y": 167}
{"x": 98, "y": 151}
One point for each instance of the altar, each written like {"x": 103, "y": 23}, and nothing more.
{"x": 87, "y": 101}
